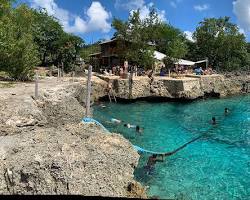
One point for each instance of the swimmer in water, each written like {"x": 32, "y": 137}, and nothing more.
{"x": 129, "y": 126}
{"x": 138, "y": 129}
{"x": 103, "y": 106}
{"x": 226, "y": 111}
{"x": 213, "y": 122}
{"x": 115, "y": 121}
{"x": 151, "y": 162}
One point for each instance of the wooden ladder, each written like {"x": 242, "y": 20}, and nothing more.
{"x": 110, "y": 94}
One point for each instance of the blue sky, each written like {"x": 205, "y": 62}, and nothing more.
{"x": 91, "y": 20}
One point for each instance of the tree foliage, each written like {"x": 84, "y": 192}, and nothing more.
{"x": 146, "y": 36}
{"x": 29, "y": 37}
{"x": 18, "y": 53}
{"x": 89, "y": 49}
{"x": 220, "y": 41}
{"x": 133, "y": 41}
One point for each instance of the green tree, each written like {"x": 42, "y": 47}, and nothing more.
{"x": 18, "y": 53}
{"x": 134, "y": 40}
{"x": 68, "y": 48}
{"x": 141, "y": 37}
{"x": 89, "y": 49}
{"x": 5, "y": 7}
{"x": 220, "y": 41}
{"x": 47, "y": 32}
{"x": 55, "y": 46}
{"x": 172, "y": 42}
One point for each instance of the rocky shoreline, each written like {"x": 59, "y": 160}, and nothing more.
{"x": 44, "y": 149}
{"x": 188, "y": 87}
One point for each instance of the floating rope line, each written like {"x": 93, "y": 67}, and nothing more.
{"x": 90, "y": 120}
{"x": 139, "y": 149}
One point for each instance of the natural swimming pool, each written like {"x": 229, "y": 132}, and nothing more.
{"x": 214, "y": 167}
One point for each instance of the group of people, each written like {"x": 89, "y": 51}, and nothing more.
{"x": 137, "y": 128}
{"x": 123, "y": 71}
{"x": 153, "y": 159}
{"x": 182, "y": 69}
{"x": 214, "y": 122}
{"x": 200, "y": 71}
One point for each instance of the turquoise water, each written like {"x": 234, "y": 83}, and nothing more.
{"x": 214, "y": 167}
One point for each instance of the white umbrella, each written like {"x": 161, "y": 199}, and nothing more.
{"x": 184, "y": 62}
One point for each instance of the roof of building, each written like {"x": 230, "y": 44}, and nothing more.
{"x": 94, "y": 54}
{"x": 108, "y": 41}
{"x": 158, "y": 55}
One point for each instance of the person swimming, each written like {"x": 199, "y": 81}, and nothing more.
{"x": 213, "y": 122}
{"x": 102, "y": 106}
{"x": 130, "y": 126}
{"x": 138, "y": 129}
{"x": 152, "y": 160}
{"x": 226, "y": 111}
{"x": 115, "y": 121}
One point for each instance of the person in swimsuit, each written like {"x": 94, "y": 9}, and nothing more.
{"x": 130, "y": 126}
{"x": 213, "y": 122}
{"x": 138, "y": 129}
{"x": 115, "y": 121}
{"x": 152, "y": 160}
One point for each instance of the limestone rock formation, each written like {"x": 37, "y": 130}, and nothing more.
{"x": 189, "y": 87}
{"x": 45, "y": 149}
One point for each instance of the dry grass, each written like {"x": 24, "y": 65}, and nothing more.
{"x": 4, "y": 84}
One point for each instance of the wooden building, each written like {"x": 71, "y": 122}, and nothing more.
{"x": 108, "y": 57}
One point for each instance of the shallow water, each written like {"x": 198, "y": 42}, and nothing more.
{"x": 215, "y": 167}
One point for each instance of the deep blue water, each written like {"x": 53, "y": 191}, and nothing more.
{"x": 215, "y": 167}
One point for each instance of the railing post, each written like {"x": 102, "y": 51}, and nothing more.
{"x": 88, "y": 91}
{"x": 36, "y": 86}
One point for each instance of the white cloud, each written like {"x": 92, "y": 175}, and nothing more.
{"x": 241, "y": 30}
{"x": 97, "y": 18}
{"x": 241, "y": 9}
{"x": 133, "y": 5}
{"x": 201, "y": 7}
{"x": 129, "y": 5}
{"x": 189, "y": 35}
{"x": 174, "y": 3}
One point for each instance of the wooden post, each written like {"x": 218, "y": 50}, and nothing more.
{"x": 36, "y": 86}
{"x": 58, "y": 73}
{"x": 206, "y": 63}
{"x": 130, "y": 83}
{"x": 62, "y": 69}
{"x": 88, "y": 92}
{"x": 73, "y": 75}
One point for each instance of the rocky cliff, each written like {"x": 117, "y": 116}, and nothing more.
{"x": 188, "y": 87}
{"x": 45, "y": 149}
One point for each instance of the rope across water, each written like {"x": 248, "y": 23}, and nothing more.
{"x": 137, "y": 148}
{"x": 142, "y": 150}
